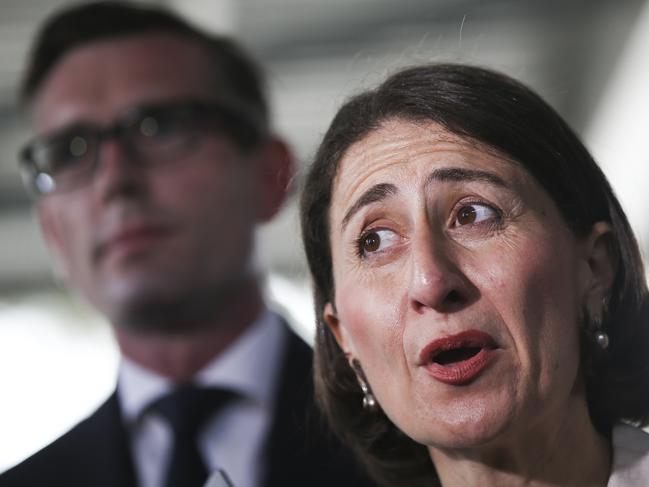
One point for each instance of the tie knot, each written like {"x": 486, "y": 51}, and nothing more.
{"x": 188, "y": 407}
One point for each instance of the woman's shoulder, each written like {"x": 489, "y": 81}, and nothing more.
{"x": 630, "y": 457}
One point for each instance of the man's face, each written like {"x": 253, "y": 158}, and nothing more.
{"x": 136, "y": 236}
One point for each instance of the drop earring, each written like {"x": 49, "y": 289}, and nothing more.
{"x": 601, "y": 337}
{"x": 369, "y": 401}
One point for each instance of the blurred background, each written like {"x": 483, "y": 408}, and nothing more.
{"x": 588, "y": 58}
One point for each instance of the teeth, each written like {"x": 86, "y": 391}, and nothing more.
{"x": 456, "y": 355}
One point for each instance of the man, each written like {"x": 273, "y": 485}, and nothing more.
{"x": 153, "y": 164}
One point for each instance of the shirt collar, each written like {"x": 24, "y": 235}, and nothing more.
{"x": 249, "y": 366}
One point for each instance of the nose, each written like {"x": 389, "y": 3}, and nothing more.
{"x": 116, "y": 173}
{"x": 437, "y": 281}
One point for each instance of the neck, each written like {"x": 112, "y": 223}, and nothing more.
{"x": 179, "y": 356}
{"x": 570, "y": 453}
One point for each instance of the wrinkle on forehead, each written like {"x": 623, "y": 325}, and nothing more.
{"x": 397, "y": 143}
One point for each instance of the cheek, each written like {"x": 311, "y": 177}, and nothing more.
{"x": 70, "y": 226}
{"x": 370, "y": 321}
{"x": 217, "y": 185}
{"x": 535, "y": 290}
{"x": 194, "y": 180}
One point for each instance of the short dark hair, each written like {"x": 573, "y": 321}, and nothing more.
{"x": 498, "y": 112}
{"x": 91, "y": 22}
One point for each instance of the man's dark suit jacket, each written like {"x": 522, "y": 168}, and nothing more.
{"x": 300, "y": 453}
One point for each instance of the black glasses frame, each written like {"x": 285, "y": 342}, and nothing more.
{"x": 245, "y": 129}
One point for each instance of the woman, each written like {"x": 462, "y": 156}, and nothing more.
{"x": 481, "y": 300}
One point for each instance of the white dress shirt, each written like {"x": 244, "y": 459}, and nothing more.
{"x": 233, "y": 439}
{"x": 630, "y": 457}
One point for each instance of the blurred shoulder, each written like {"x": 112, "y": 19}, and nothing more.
{"x": 78, "y": 458}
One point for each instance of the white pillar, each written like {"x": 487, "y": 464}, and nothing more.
{"x": 619, "y": 133}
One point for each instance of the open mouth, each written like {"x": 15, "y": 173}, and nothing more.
{"x": 455, "y": 355}
{"x": 459, "y": 359}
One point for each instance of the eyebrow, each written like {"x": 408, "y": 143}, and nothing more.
{"x": 375, "y": 193}
{"x": 382, "y": 191}
{"x": 456, "y": 174}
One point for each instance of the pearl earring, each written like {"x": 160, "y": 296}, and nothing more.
{"x": 369, "y": 401}
{"x": 601, "y": 337}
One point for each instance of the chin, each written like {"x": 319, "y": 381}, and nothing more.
{"x": 462, "y": 424}
{"x": 141, "y": 305}
{"x": 473, "y": 437}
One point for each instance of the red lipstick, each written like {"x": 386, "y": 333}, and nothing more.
{"x": 458, "y": 359}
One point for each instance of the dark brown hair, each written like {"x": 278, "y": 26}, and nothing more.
{"x": 232, "y": 69}
{"x": 498, "y": 112}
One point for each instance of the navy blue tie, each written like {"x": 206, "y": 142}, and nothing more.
{"x": 187, "y": 408}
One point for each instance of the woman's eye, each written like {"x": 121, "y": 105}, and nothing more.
{"x": 474, "y": 213}
{"x": 376, "y": 241}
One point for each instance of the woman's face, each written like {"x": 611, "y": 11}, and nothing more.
{"x": 458, "y": 287}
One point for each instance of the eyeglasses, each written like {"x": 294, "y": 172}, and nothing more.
{"x": 150, "y": 135}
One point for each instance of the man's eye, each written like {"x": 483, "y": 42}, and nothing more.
{"x": 66, "y": 152}
{"x": 474, "y": 213}
{"x": 376, "y": 241}
{"x": 152, "y": 126}
{"x": 149, "y": 126}
{"x": 78, "y": 146}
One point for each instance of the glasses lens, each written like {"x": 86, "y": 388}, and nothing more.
{"x": 62, "y": 161}
{"x": 157, "y": 133}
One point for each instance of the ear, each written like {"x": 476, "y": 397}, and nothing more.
{"x": 600, "y": 263}
{"x": 340, "y": 334}
{"x": 275, "y": 177}
{"x": 52, "y": 237}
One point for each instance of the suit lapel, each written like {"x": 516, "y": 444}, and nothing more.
{"x": 301, "y": 450}
{"x": 286, "y": 443}
{"x": 106, "y": 447}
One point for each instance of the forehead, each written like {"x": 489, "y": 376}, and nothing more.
{"x": 98, "y": 80}
{"x": 404, "y": 153}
